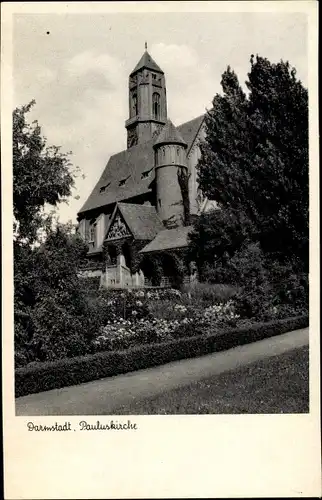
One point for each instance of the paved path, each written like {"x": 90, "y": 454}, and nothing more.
{"x": 101, "y": 397}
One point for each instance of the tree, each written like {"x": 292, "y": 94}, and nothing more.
{"x": 53, "y": 317}
{"x": 57, "y": 289}
{"x": 254, "y": 163}
{"x": 215, "y": 238}
{"x": 255, "y": 156}
{"x": 278, "y": 106}
{"x": 41, "y": 175}
{"x": 224, "y": 153}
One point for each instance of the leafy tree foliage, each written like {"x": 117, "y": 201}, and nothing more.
{"x": 255, "y": 157}
{"x": 41, "y": 175}
{"x": 53, "y": 317}
{"x": 254, "y": 163}
{"x": 217, "y": 235}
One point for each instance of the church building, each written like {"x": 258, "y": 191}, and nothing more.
{"x": 137, "y": 218}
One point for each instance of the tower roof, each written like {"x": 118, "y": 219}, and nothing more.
{"x": 146, "y": 61}
{"x": 169, "y": 135}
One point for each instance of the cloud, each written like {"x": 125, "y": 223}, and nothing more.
{"x": 96, "y": 65}
{"x": 82, "y": 106}
{"x": 191, "y": 82}
{"x": 172, "y": 55}
{"x": 94, "y": 100}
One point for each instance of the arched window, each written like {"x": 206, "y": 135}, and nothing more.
{"x": 92, "y": 234}
{"x": 134, "y": 104}
{"x": 126, "y": 251}
{"x": 112, "y": 253}
{"x": 156, "y": 106}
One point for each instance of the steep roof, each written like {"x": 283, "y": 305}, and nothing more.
{"x": 146, "y": 61}
{"x": 169, "y": 135}
{"x": 168, "y": 238}
{"x": 142, "y": 220}
{"x": 190, "y": 129}
{"x": 126, "y": 173}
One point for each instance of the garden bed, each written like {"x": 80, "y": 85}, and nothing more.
{"x": 71, "y": 371}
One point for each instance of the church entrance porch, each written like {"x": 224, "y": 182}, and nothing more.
{"x": 125, "y": 267}
{"x": 120, "y": 269}
{"x": 139, "y": 251}
{"x": 167, "y": 269}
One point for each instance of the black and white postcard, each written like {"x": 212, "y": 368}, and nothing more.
{"x": 160, "y": 203}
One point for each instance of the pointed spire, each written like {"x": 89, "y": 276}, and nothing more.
{"x": 146, "y": 45}
{"x": 146, "y": 61}
{"x": 169, "y": 135}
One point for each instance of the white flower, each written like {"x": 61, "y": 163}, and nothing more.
{"x": 134, "y": 313}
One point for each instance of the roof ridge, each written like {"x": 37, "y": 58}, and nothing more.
{"x": 192, "y": 120}
{"x": 135, "y": 205}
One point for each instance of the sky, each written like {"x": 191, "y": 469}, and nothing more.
{"x": 76, "y": 67}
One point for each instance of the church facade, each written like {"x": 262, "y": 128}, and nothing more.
{"x": 137, "y": 218}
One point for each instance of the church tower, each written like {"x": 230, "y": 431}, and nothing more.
{"x": 170, "y": 162}
{"x": 147, "y": 101}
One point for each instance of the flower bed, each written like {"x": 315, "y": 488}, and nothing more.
{"x": 136, "y": 317}
{"x": 71, "y": 371}
{"x": 123, "y": 319}
{"x": 158, "y": 320}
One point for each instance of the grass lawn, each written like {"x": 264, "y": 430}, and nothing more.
{"x": 278, "y": 384}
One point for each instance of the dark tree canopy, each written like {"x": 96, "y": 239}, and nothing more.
{"x": 41, "y": 175}
{"x": 52, "y": 317}
{"x": 255, "y": 155}
{"x": 254, "y": 164}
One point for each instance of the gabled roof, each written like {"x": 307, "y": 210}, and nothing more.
{"x": 130, "y": 164}
{"x": 146, "y": 61}
{"x": 169, "y": 135}
{"x": 168, "y": 239}
{"x": 189, "y": 130}
{"x": 142, "y": 220}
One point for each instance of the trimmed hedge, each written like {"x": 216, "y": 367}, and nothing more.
{"x": 72, "y": 371}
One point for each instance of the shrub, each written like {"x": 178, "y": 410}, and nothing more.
{"x": 207, "y": 293}
{"x": 282, "y": 291}
{"x": 290, "y": 286}
{"x": 125, "y": 304}
{"x": 221, "y": 314}
{"x": 50, "y": 375}
{"x": 90, "y": 283}
{"x": 52, "y": 317}
{"x": 168, "y": 309}
{"x": 125, "y": 334}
